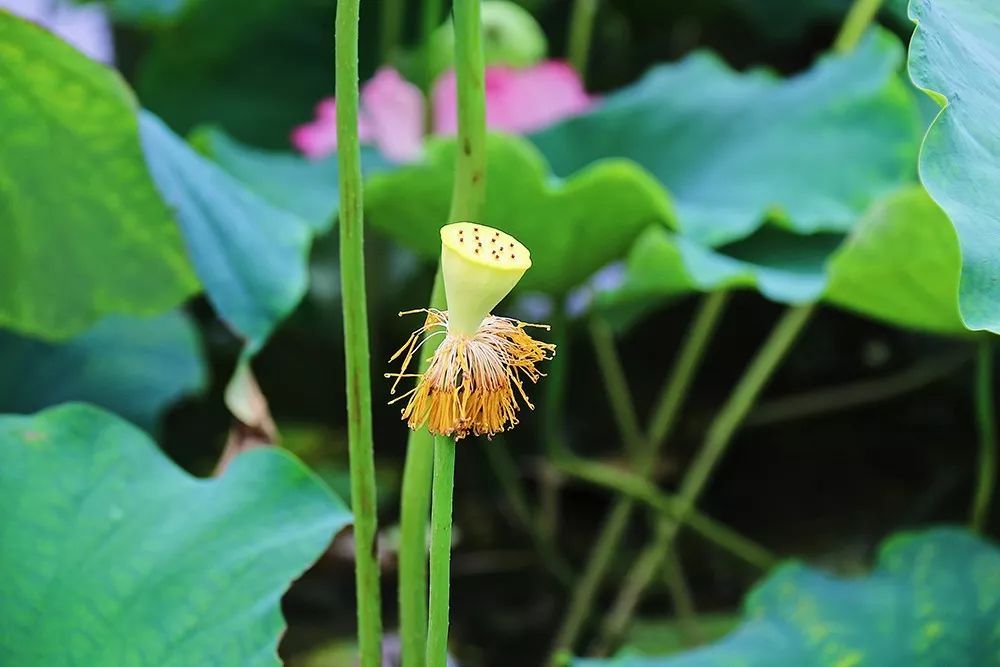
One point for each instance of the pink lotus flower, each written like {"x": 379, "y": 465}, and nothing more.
{"x": 391, "y": 116}
{"x": 517, "y": 100}
{"x": 392, "y": 109}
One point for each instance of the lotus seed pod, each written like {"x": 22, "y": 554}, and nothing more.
{"x": 481, "y": 265}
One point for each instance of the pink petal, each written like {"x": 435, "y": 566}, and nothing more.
{"x": 517, "y": 100}
{"x": 391, "y": 116}
{"x": 392, "y": 108}
{"x": 318, "y": 138}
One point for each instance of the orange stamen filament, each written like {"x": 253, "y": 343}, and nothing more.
{"x": 469, "y": 386}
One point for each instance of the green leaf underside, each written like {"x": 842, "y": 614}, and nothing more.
{"x": 133, "y": 366}
{"x": 307, "y": 188}
{"x": 572, "y": 227}
{"x": 901, "y": 265}
{"x": 784, "y": 267}
{"x": 811, "y": 151}
{"x": 955, "y": 57}
{"x": 84, "y": 232}
{"x": 933, "y": 601}
{"x": 250, "y": 256}
{"x": 111, "y": 555}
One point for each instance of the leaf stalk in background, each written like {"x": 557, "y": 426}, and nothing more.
{"x": 581, "y": 31}
{"x": 392, "y": 15}
{"x": 717, "y": 439}
{"x": 986, "y": 420}
{"x": 859, "y": 17}
{"x": 661, "y": 423}
{"x": 352, "y": 279}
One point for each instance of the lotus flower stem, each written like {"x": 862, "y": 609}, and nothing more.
{"x": 468, "y": 203}
{"x": 986, "y": 418}
{"x": 440, "y": 575}
{"x": 859, "y": 17}
{"x": 468, "y": 198}
{"x": 415, "y": 506}
{"x": 352, "y": 278}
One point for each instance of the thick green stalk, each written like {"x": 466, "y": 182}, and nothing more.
{"x": 415, "y": 505}
{"x": 352, "y": 280}
{"x": 986, "y": 418}
{"x": 859, "y": 17}
{"x": 440, "y": 564}
{"x": 468, "y": 199}
{"x": 581, "y": 29}
{"x": 717, "y": 439}
{"x": 661, "y": 422}
{"x": 468, "y": 196}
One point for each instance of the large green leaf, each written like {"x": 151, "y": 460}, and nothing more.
{"x": 288, "y": 181}
{"x": 133, "y": 366}
{"x": 83, "y": 232}
{"x": 113, "y": 556}
{"x": 955, "y": 56}
{"x": 308, "y": 188}
{"x": 901, "y": 265}
{"x": 733, "y": 149}
{"x": 251, "y": 256}
{"x": 934, "y": 601}
{"x": 572, "y": 228}
{"x": 784, "y": 267}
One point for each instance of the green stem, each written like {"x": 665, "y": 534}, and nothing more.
{"x": 661, "y": 422}
{"x": 717, "y": 439}
{"x": 855, "y": 394}
{"x": 616, "y": 386}
{"x": 415, "y": 505}
{"x": 581, "y": 29}
{"x": 680, "y": 592}
{"x": 986, "y": 417}
{"x": 553, "y": 427}
{"x": 859, "y": 17}
{"x": 503, "y": 466}
{"x": 440, "y": 563}
{"x": 468, "y": 196}
{"x": 430, "y": 19}
{"x": 468, "y": 199}
{"x": 601, "y": 554}
{"x": 674, "y": 391}
{"x": 393, "y": 15}
{"x": 352, "y": 280}
{"x": 670, "y": 508}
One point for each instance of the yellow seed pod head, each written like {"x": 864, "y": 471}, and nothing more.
{"x": 481, "y": 265}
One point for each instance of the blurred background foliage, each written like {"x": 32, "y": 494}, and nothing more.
{"x": 813, "y": 474}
